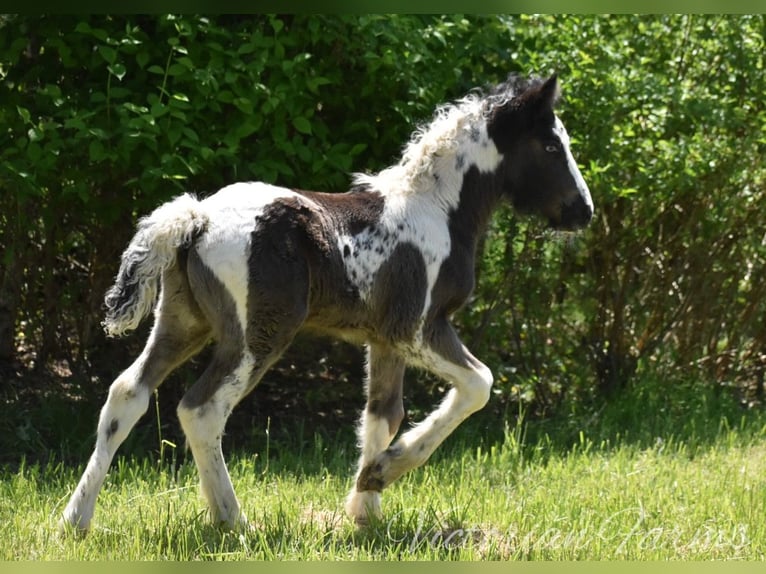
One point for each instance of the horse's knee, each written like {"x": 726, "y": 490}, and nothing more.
{"x": 376, "y": 431}
{"x": 185, "y": 413}
{"x": 204, "y": 422}
{"x": 477, "y": 388}
{"x": 193, "y": 418}
{"x": 390, "y": 412}
{"x": 126, "y": 403}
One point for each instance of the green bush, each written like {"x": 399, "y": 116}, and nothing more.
{"x": 669, "y": 123}
{"x": 107, "y": 116}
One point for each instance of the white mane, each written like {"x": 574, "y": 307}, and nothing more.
{"x": 451, "y": 127}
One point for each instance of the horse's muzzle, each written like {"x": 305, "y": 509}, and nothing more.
{"x": 575, "y": 215}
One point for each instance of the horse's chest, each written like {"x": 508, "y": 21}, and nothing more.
{"x": 374, "y": 256}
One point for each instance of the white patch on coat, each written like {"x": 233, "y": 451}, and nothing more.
{"x": 420, "y": 192}
{"x": 225, "y": 247}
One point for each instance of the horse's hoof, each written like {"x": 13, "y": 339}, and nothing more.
{"x": 363, "y": 507}
{"x": 67, "y": 529}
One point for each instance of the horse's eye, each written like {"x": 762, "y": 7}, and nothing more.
{"x": 552, "y": 148}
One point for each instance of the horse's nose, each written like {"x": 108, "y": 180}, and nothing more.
{"x": 577, "y": 214}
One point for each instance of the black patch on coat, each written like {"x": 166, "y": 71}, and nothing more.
{"x": 352, "y": 212}
{"x": 281, "y": 253}
{"x": 307, "y": 232}
{"x": 399, "y": 293}
{"x": 218, "y": 307}
{"x": 455, "y": 281}
{"x": 385, "y": 371}
{"x": 113, "y": 426}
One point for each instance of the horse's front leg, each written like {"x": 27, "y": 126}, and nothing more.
{"x": 378, "y": 425}
{"x": 471, "y": 382}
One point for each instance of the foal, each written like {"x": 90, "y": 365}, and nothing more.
{"x": 385, "y": 264}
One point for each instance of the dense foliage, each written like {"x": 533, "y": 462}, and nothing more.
{"x": 105, "y": 117}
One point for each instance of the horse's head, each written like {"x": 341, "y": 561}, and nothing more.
{"x": 539, "y": 173}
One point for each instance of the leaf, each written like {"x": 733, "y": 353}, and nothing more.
{"x": 177, "y": 70}
{"x": 34, "y": 134}
{"x": 302, "y": 125}
{"x": 109, "y": 54}
{"x": 82, "y": 28}
{"x": 244, "y": 105}
{"x": 191, "y": 134}
{"x": 117, "y": 70}
{"x": 34, "y": 151}
{"x": 142, "y": 58}
{"x": 134, "y": 108}
{"x": 357, "y": 149}
{"x": 277, "y": 24}
{"x": 24, "y": 113}
{"x": 98, "y": 132}
{"x": 225, "y": 96}
{"x": 96, "y": 151}
{"x": 313, "y": 84}
{"x": 249, "y": 127}
{"x": 76, "y": 123}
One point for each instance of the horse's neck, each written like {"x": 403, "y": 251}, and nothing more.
{"x": 467, "y": 196}
{"x": 480, "y": 196}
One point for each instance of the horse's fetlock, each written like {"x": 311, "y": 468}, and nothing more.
{"x": 371, "y": 478}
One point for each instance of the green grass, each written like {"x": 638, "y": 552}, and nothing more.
{"x": 500, "y": 500}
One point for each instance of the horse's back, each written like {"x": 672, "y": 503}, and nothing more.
{"x": 358, "y": 265}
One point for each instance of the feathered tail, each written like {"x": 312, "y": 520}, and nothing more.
{"x": 152, "y": 250}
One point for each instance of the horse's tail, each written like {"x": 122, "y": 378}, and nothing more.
{"x": 152, "y": 250}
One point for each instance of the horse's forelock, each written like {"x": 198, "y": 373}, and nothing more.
{"x": 515, "y": 91}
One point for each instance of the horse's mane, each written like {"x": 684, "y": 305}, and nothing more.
{"x": 451, "y": 125}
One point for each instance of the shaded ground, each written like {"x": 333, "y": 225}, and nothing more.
{"x": 317, "y": 385}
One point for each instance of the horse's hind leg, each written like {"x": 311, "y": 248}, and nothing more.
{"x": 178, "y": 333}
{"x": 245, "y": 350}
{"x": 379, "y": 423}
{"x": 203, "y": 413}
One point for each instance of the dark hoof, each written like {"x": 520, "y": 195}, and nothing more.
{"x": 371, "y": 478}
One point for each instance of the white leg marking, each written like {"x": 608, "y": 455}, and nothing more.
{"x": 203, "y": 426}
{"x": 470, "y": 392}
{"x": 374, "y": 436}
{"x": 363, "y": 505}
{"x": 127, "y": 401}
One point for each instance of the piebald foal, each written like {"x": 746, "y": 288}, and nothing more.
{"x": 385, "y": 264}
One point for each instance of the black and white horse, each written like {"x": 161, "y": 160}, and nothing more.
{"x": 385, "y": 264}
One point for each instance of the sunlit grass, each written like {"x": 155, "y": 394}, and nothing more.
{"x": 476, "y": 499}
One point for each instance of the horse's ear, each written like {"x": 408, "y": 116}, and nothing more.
{"x": 541, "y": 99}
{"x": 549, "y": 92}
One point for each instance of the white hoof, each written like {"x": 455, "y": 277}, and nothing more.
{"x": 362, "y": 506}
